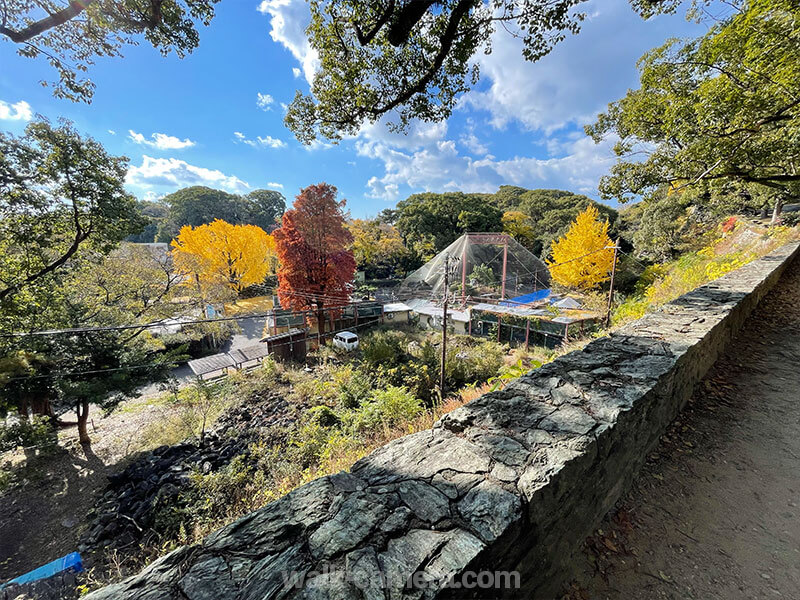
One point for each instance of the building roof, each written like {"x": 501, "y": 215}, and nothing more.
{"x": 527, "y": 298}
{"x": 281, "y": 336}
{"x": 564, "y": 320}
{"x": 517, "y": 311}
{"x": 209, "y": 364}
{"x": 250, "y": 353}
{"x": 428, "y": 308}
{"x": 569, "y": 303}
{"x": 396, "y": 307}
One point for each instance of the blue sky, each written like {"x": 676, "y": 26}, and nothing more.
{"x": 216, "y": 118}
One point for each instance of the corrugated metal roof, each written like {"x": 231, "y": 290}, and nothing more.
{"x": 209, "y": 364}
{"x": 253, "y": 352}
{"x": 279, "y": 336}
{"x": 396, "y": 307}
{"x": 429, "y": 309}
{"x": 517, "y": 311}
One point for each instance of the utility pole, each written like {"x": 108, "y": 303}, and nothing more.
{"x": 444, "y": 323}
{"x": 611, "y": 285}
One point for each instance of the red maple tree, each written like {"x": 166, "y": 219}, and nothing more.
{"x": 316, "y": 265}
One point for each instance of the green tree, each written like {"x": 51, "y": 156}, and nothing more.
{"x": 378, "y": 249}
{"x": 57, "y": 373}
{"x": 439, "y": 219}
{"x": 71, "y": 34}
{"x": 60, "y": 193}
{"x": 198, "y": 205}
{"x": 722, "y": 108}
{"x": 266, "y": 209}
{"x": 63, "y": 211}
{"x": 154, "y": 213}
{"x": 414, "y": 59}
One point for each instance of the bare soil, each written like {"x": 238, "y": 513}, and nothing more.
{"x": 716, "y": 511}
{"x": 43, "y": 515}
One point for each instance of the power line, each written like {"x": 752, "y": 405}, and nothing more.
{"x": 308, "y": 295}
{"x": 154, "y": 364}
{"x": 164, "y": 323}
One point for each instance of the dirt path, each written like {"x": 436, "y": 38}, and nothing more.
{"x": 42, "y": 518}
{"x": 716, "y": 511}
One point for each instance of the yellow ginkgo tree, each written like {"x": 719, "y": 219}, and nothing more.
{"x": 221, "y": 254}
{"x": 584, "y": 256}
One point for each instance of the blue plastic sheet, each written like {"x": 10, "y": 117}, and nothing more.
{"x": 70, "y": 562}
{"x": 527, "y": 298}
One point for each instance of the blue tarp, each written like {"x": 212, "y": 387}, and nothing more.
{"x": 70, "y": 562}
{"x": 527, "y": 298}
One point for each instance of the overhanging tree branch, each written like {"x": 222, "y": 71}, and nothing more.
{"x": 55, "y": 19}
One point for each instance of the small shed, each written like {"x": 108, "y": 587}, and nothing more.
{"x": 430, "y": 316}
{"x": 211, "y": 367}
{"x": 396, "y": 312}
{"x": 250, "y": 356}
{"x": 291, "y": 345}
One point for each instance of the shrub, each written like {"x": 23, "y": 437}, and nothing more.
{"x": 37, "y": 431}
{"x": 323, "y": 415}
{"x": 467, "y": 363}
{"x": 388, "y": 408}
{"x": 791, "y": 219}
{"x": 383, "y": 348}
{"x": 351, "y": 385}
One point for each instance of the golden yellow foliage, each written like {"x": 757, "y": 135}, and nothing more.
{"x": 219, "y": 253}
{"x": 585, "y": 251}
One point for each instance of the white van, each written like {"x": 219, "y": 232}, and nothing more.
{"x": 346, "y": 340}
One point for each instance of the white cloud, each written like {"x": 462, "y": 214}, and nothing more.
{"x": 437, "y": 165}
{"x": 264, "y": 101}
{"x": 19, "y": 111}
{"x": 152, "y": 196}
{"x": 112, "y": 132}
{"x": 317, "y": 145}
{"x": 578, "y": 79}
{"x": 160, "y": 141}
{"x": 272, "y": 184}
{"x": 172, "y": 172}
{"x": 288, "y": 21}
{"x": 296, "y": 72}
{"x": 471, "y": 142}
{"x": 260, "y": 142}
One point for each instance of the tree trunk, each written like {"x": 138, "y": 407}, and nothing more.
{"x": 42, "y": 406}
{"x": 321, "y": 323}
{"x": 776, "y": 213}
{"x": 82, "y": 410}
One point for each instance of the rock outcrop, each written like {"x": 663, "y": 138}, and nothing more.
{"x": 126, "y": 511}
{"x": 511, "y": 482}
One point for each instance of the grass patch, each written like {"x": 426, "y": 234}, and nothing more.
{"x": 187, "y": 413}
{"x": 732, "y": 246}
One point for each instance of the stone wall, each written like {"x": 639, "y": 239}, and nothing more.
{"x": 513, "y": 481}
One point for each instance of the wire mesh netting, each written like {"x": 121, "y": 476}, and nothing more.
{"x": 481, "y": 265}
